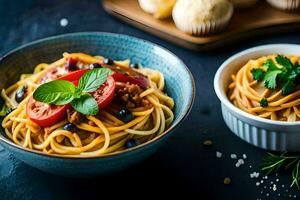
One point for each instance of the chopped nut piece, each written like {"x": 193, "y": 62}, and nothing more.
{"x": 207, "y": 142}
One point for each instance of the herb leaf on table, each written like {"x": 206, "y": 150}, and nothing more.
{"x": 274, "y": 163}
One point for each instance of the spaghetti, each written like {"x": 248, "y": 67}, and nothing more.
{"x": 95, "y": 135}
{"x": 249, "y": 94}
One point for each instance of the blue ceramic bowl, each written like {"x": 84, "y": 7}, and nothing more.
{"x": 179, "y": 85}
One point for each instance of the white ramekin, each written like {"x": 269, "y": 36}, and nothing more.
{"x": 264, "y": 133}
{"x": 289, "y": 5}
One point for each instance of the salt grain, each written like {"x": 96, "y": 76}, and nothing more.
{"x": 64, "y": 22}
{"x": 254, "y": 174}
{"x": 241, "y": 161}
{"x": 233, "y": 156}
{"x": 245, "y": 156}
{"x": 218, "y": 154}
{"x": 257, "y": 183}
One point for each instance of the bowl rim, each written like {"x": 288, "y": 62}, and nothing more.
{"x": 186, "y": 111}
{"x": 224, "y": 99}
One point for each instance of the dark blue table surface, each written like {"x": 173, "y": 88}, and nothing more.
{"x": 183, "y": 167}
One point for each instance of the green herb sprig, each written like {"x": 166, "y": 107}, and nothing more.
{"x": 5, "y": 111}
{"x": 273, "y": 163}
{"x": 281, "y": 74}
{"x": 61, "y": 92}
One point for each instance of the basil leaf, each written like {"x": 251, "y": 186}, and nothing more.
{"x": 58, "y": 92}
{"x": 93, "y": 79}
{"x": 85, "y": 104}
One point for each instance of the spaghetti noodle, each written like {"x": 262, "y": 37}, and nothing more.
{"x": 94, "y": 135}
{"x": 249, "y": 94}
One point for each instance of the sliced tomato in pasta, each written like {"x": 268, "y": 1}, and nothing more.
{"x": 44, "y": 114}
{"x": 105, "y": 93}
{"x": 74, "y": 76}
{"x": 141, "y": 81}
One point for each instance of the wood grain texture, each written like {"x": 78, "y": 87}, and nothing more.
{"x": 258, "y": 20}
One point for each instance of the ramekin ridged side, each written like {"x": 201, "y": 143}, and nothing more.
{"x": 259, "y": 136}
{"x": 289, "y": 5}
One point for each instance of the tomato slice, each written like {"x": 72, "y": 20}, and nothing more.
{"x": 74, "y": 76}
{"x": 44, "y": 114}
{"x": 142, "y": 81}
{"x": 105, "y": 93}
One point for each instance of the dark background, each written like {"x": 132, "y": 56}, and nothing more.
{"x": 183, "y": 167}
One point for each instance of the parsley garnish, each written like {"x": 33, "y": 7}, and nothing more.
{"x": 61, "y": 92}
{"x": 281, "y": 74}
{"x": 258, "y": 74}
{"x": 264, "y": 102}
{"x": 5, "y": 111}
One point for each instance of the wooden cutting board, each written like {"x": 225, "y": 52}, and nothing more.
{"x": 261, "y": 19}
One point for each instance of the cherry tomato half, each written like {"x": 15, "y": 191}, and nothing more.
{"x": 142, "y": 81}
{"x": 105, "y": 93}
{"x": 44, "y": 114}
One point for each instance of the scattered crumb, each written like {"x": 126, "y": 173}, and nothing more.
{"x": 218, "y": 154}
{"x": 244, "y": 156}
{"x": 227, "y": 181}
{"x": 207, "y": 142}
{"x": 257, "y": 183}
